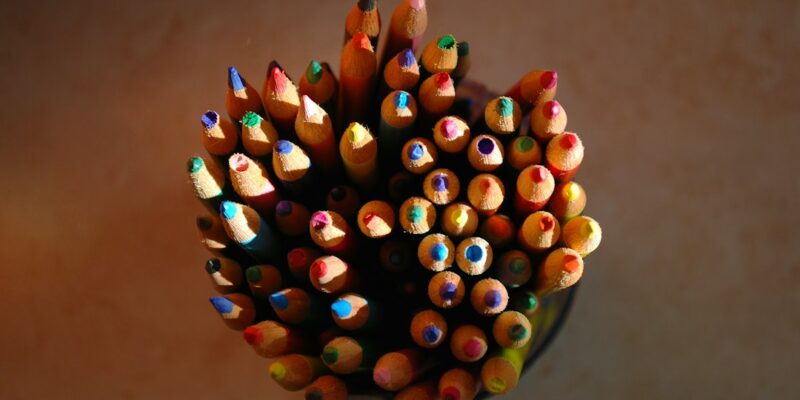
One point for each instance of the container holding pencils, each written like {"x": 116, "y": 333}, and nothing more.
{"x": 378, "y": 237}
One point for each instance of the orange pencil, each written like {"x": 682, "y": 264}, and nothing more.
{"x": 251, "y": 182}
{"x": 486, "y": 193}
{"x": 220, "y": 136}
{"x": 376, "y": 219}
{"x": 272, "y": 339}
{"x": 241, "y": 98}
{"x": 406, "y": 27}
{"x": 474, "y": 255}
{"x": 522, "y": 152}
{"x": 539, "y": 232}
{"x": 440, "y": 55}
{"x": 417, "y": 215}
{"x": 535, "y": 185}
{"x": 468, "y": 343}
{"x": 344, "y": 200}
{"x": 489, "y": 297}
{"x": 562, "y": 268}
{"x": 280, "y": 98}
{"x": 236, "y": 309}
{"x": 441, "y": 186}
{"x": 459, "y": 220}
{"x": 536, "y": 87}
{"x": 291, "y": 218}
{"x": 502, "y": 115}
{"x": 398, "y": 369}
{"x": 294, "y": 372}
{"x": 402, "y": 71}
{"x": 548, "y": 119}
{"x": 332, "y": 233}
{"x": 446, "y": 289}
{"x": 258, "y": 135}
{"x": 568, "y": 201}
{"x": 225, "y": 274}
{"x": 451, "y": 134}
{"x": 319, "y": 84}
{"x": 436, "y": 96}
{"x": 263, "y": 280}
{"x": 428, "y": 329}
{"x": 419, "y": 155}
{"x": 459, "y": 383}
{"x": 331, "y": 275}
{"x": 326, "y": 387}
{"x": 563, "y": 156}
{"x": 498, "y": 230}
{"x": 315, "y": 131}
{"x": 299, "y": 261}
{"x": 485, "y": 153}
{"x": 436, "y": 252}
{"x": 514, "y": 268}
{"x": 582, "y": 234}
{"x": 357, "y": 79}
{"x": 359, "y": 151}
{"x": 365, "y": 18}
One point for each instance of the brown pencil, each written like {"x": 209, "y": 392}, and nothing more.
{"x": 562, "y": 268}
{"x": 272, "y": 339}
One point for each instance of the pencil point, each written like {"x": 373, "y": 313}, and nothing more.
{"x": 548, "y": 79}
{"x": 195, "y": 164}
{"x": 239, "y": 162}
{"x": 473, "y": 348}
{"x": 228, "y": 209}
{"x": 525, "y": 144}
{"x": 448, "y": 291}
{"x": 283, "y": 208}
{"x": 338, "y": 193}
{"x": 253, "y": 274}
{"x": 330, "y": 355}
{"x": 357, "y": 132}
{"x": 277, "y": 371}
{"x": 279, "y": 300}
{"x": 546, "y": 224}
{"x": 209, "y": 119}
{"x": 368, "y": 218}
{"x": 431, "y": 334}
{"x": 416, "y": 4}
{"x": 571, "y": 263}
{"x": 486, "y": 146}
{"x": 568, "y": 141}
{"x": 221, "y": 304}
{"x": 279, "y": 78}
{"x": 492, "y": 298}
{"x": 517, "y": 332}
{"x": 251, "y": 119}
{"x": 443, "y": 80}
{"x": 401, "y": 99}
{"x": 416, "y": 151}
{"x": 341, "y": 308}
{"x": 449, "y": 128}
{"x": 319, "y": 269}
{"x": 361, "y": 41}
{"x": 551, "y": 109}
{"x": 314, "y": 71}
{"x": 415, "y": 214}
{"x": 440, "y": 183}
{"x": 310, "y": 108}
{"x": 571, "y": 191}
{"x": 474, "y": 253}
{"x": 439, "y": 252}
{"x": 213, "y": 265}
{"x": 406, "y": 58}
{"x": 319, "y": 220}
{"x": 486, "y": 184}
{"x": 446, "y": 42}
{"x": 253, "y": 335}
{"x": 460, "y": 218}
{"x": 283, "y": 146}
{"x": 539, "y": 174}
{"x": 505, "y": 107}
{"x": 590, "y": 228}
{"x": 235, "y": 81}
{"x": 451, "y": 393}
{"x": 314, "y": 394}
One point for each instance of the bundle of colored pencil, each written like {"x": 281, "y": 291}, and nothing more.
{"x": 370, "y": 235}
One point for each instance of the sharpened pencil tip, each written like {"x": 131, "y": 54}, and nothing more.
{"x": 568, "y": 141}
{"x": 279, "y": 300}
{"x": 406, "y": 58}
{"x": 213, "y": 265}
{"x": 277, "y": 371}
{"x": 431, "y": 334}
{"x": 310, "y": 108}
{"x": 330, "y": 355}
{"x": 551, "y": 109}
{"x": 546, "y": 224}
{"x": 382, "y": 376}
{"x": 473, "y": 348}
{"x": 416, "y": 151}
{"x": 401, "y": 99}
{"x": 525, "y": 144}
{"x": 314, "y": 72}
{"x": 209, "y": 119}
{"x": 485, "y": 146}
{"x": 416, "y": 4}
{"x": 446, "y": 42}
{"x": 366, "y": 5}
{"x": 439, "y": 252}
{"x": 448, "y": 291}
{"x": 251, "y": 119}
{"x": 239, "y": 162}
{"x": 451, "y": 393}
{"x": 440, "y": 183}
{"x": 320, "y": 220}
{"x": 443, "y": 80}
{"x": 361, "y": 41}
{"x": 319, "y": 269}
{"x": 341, "y": 308}
{"x": 221, "y": 304}
{"x": 235, "y": 81}
{"x": 252, "y": 335}
{"x": 284, "y": 146}
{"x": 492, "y": 298}
{"x": 548, "y": 79}
{"x": 474, "y": 253}
{"x": 195, "y": 164}
{"x": 505, "y": 107}
{"x": 449, "y": 128}
{"x": 571, "y": 263}
{"x": 539, "y": 174}
{"x": 228, "y": 209}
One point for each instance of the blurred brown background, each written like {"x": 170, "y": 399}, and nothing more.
{"x": 688, "y": 111}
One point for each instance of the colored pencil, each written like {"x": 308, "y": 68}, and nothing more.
{"x": 417, "y": 215}
{"x": 402, "y": 71}
{"x": 486, "y": 193}
{"x": 440, "y": 55}
{"x": 522, "y": 152}
{"x": 562, "y": 268}
{"x": 489, "y": 297}
{"x": 297, "y": 307}
{"x": 225, "y": 274}
{"x": 474, "y": 255}
{"x": 280, "y": 98}
{"x": 319, "y": 84}
{"x": 428, "y": 329}
{"x": 357, "y": 79}
{"x": 331, "y": 275}
{"x": 446, "y": 289}
{"x": 514, "y": 268}
{"x": 436, "y": 252}
{"x": 511, "y": 329}
{"x": 354, "y": 312}
{"x": 294, "y": 372}
{"x": 463, "y": 64}
{"x": 539, "y": 232}
{"x": 272, "y": 339}
{"x": 245, "y": 227}
{"x": 502, "y": 115}
{"x": 359, "y": 151}
{"x": 376, "y": 219}
{"x": 535, "y": 87}
{"x": 332, "y": 233}
{"x": 315, "y": 131}
{"x": 524, "y": 301}
{"x": 468, "y": 343}
{"x": 459, "y": 220}
{"x": 436, "y": 95}
{"x": 501, "y": 371}
{"x": 343, "y": 200}
{"x": 401, "y": 186}
{"x": 394, "y": 255}
{"x": 425, "y": 390}
{"x": 208, "y": 181}
{"x": 326, "y": 387}
{"x": 548, "y": 119}
{"x": 220, "y": 136}
{"x": 364, "y": 18}
{"x": 459, "y": 383}
{"x": 397, "y": 369}
{"x": 582, "y": 234}
{"x": 263, "y": 280}
{"x": 398, "y": 114}
{"x": 407, "y": 25}
{"x": 258, "y": 135}
{"x": 535, "y": 185}
{"x": 441, "y": 186}
{"x": 293, "y": 168}
{"x": 241, "y": 97}
{"x": 485, "y": 153}
{"x": 451, "y": 134}
{"x": 299, "y": 261}
{"x": 568, "y": 201}
{"x": 563, "y": 155}
{"x": 291, "y": 218}
{"x": 419, "y": 155}
{"x": 213, "y": 236}
{"x": 346, "y": 355}
{"x": 498, "y": 230}
{"x": 251, "y": 182}
{"x": 235, "y": 309}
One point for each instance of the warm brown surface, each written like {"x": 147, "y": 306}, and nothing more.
{"x": 688, "y": 112}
